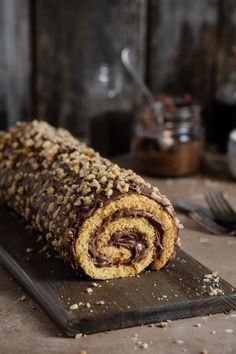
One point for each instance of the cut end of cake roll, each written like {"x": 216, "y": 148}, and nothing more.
{"x": 124, "y": 237}
{"x": 100, "y": 218}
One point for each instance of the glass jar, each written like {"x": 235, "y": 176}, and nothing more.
{"x": 231, "y": 153}
{"x": 109, "y": 110}
{"x": 171, "y": 149}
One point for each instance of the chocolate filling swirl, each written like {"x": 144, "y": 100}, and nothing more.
{"x": 128, "y": 238}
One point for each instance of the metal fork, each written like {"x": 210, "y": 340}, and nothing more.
{"x": 209, "y": 224}
{"x": 203, "y": 217}
{"x": 187, "y": 207}
{"x": 220, "y": 207}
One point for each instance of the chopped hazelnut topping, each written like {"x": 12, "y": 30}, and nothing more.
{"x": 87, "y": 200}
{"x": 23, "y": 298}
{"x": 142, "y": 345}
{"x": 109, "y": 193}
{"x": 89, "y": 290}
{"x": 96, "y": 284}
{"x": 215, "y": 291}
{"x": 50, "y": 207}
{"x": 29, "y": 142}
{"x": 50, "y": 190}
{"x": 178, "y": 341}
{"x": 103, "y": 179}
{"x": 204, "y": 351}
{"x": 229, "y": 330}
{"x": 198, "y": 325}
{"x": 163, "y": 325}
{"x": 74, "y": 307}
{"x": 90, "y": 176}
{"x": 100, "y": 302}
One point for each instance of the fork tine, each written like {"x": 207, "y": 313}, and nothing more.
{"x": 226, "y": 204}
{"x": 195, "y": 217}
{"x": 213, "y": 223}
{"x": 213, "y": 205}
{"x": 186, "y": 206}
{"x": 222, "y": 206}
{"x": 208, "y": 223}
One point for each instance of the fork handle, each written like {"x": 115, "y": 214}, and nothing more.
{"x": 189, "y": 207}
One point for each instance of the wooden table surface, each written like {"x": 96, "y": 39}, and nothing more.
{"x": 25, "y": 328}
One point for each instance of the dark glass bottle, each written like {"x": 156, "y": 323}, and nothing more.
{"x": 224, "y": 108}
{"x": 110, "y": 120}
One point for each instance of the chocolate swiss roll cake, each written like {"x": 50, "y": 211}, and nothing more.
{"x": 101, "y": 219}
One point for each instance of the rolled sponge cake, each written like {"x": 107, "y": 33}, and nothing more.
{"x": 101, "y": 219}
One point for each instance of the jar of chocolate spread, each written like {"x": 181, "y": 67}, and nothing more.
{"x": 171, "y": 149}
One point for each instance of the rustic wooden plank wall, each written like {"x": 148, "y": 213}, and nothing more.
{"x": 226, "y": 37}
{"x": 181, "y": 45}
{"x": 15, "y": 61}
{"x": 73, "y": 39}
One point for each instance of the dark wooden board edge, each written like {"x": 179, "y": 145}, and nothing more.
{"x": 130, "y": 318}
{"x": 35, "y": 290}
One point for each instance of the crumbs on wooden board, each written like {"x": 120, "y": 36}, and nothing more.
{"x": 163, "y": 324}
{"x": 74, "y": 307}
{"x": 140, "y": 343}
{"x": 212, "y": 284}
{"x": 89, "y": 290}
{"x": 22, "y": 298}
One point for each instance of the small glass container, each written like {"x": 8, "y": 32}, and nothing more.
{"x": 174, "y": 149}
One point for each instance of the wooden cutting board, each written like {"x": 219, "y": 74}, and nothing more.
{"x": 177, "y": 291}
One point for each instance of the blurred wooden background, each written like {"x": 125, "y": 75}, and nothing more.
{"x": 51, "y": 49}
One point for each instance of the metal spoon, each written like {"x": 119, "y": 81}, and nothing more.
{"x": 165, "y": 140}
{"x": 156, "y": 106}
